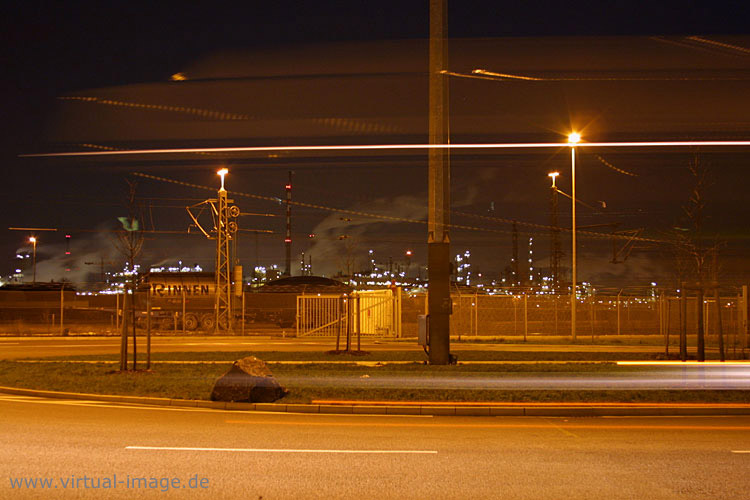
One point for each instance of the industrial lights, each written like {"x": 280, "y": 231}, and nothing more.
{"x": 553, "y": 176}
{"x": 221, "y": 173}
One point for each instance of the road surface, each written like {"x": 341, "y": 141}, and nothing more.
{"x": 276, "y": 456}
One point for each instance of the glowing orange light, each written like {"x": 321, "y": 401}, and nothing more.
{"x": 553, "y": 176}
{"x": 221, "y": 173}
{"x": 32, "y": 239}
{"x": 574, "y": 138}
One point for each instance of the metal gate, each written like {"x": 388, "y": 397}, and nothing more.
{"x": 372, "y": 313}
{"x": 321, "y": 315}
{"x": 377, "y": 313}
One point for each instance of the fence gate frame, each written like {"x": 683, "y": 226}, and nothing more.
{"x": 371, "y": 313}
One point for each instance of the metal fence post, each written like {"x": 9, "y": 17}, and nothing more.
{"x": 525, "y": 315}
{"x": 184, "y": 311}
{"x": 359, "y": 323}
{"x": 148, "y": 329}
{"x": 347, "y": 312}
{"x": 683, "y": 323}
{"x": 736, "y": 328}
{"x": 592, "y": 317}
{"x": 338, "y": 325}
{"x": 743, "y": 321}
{"x": 719, "y": 328}
{"x": 124, "y": 335}
{"x": 62, "y": 306}
{"x": 556, "y": 297}
{"x": 701, "y": 326}
{"x": 243, "y": 312}
{"x": 618, "y": 311}
{"x": 300, "y": 305}
{"x": 668, "y": 320}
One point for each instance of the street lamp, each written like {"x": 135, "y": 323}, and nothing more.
{"x": 32, "y": 240}
{"x": 553, "y": 176}
{"x": 221, "y": 173}
{"x": 573, "y": 139}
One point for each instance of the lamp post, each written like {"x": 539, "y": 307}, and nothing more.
{"x": 223, "y": 305}
{"x": 221, "y": 173}
{"x": 32, "y": 240}
{"x": 573, "y": 139}
{"x": 555, "y": 236}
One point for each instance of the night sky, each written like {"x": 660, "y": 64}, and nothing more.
{"x": 58, "y": 49}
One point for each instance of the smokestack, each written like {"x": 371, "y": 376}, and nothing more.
{"x": 288, "y": 240}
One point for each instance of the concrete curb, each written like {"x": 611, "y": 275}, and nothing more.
{"x": 413, "y": 408}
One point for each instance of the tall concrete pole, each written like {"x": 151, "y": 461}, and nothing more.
{"x": 517, "y": 280}
{"x": 438, "y": 220}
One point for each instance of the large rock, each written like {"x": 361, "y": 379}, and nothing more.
{"x": 248, "y": 380}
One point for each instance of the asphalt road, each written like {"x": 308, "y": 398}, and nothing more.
{"x": 269, "y": 456}
{"x": 24, "y": 347}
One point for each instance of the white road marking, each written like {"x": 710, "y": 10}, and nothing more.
{"x": 282, "y": 450}
{"x": 740, "y": 451}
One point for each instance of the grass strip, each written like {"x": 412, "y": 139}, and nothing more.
{"x": 406, "y": 355}
{"x": 309, "y": 382}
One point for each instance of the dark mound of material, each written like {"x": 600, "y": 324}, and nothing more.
{"x": 248, "y": 380}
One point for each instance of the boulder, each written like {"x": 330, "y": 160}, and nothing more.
{"x": 248, "y": 380}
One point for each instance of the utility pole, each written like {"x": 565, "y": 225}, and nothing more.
{"x": 438, "y": 220}
{"x": 573, "y": 139}
{"x": 223, "y": 272}
{"x": 516, "y": 267}
{"x": 225, "y": 229}
{"x": 288, "y": 240}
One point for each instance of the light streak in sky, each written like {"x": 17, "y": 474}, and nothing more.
{"x": 400, "y": 147}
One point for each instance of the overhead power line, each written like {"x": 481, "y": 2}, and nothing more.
{"x": 360, "y": 213}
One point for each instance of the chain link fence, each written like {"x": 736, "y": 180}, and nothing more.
{"x": 528, "y": 314}
{"x": 62, "y": 311}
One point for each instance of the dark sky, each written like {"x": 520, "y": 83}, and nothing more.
{"x": 50, "y": 49}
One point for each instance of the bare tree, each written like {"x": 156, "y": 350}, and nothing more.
{"x": 696, "y": 253}
{"x": 129, "y": 242}
{"x": 349, "y": 260}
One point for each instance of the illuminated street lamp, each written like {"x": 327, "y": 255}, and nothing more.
{"x": 553, "y": 176}
{"x": 573, "y": 139}
{"x": 221, "y": 173}
{"x": 32, "y": 240}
